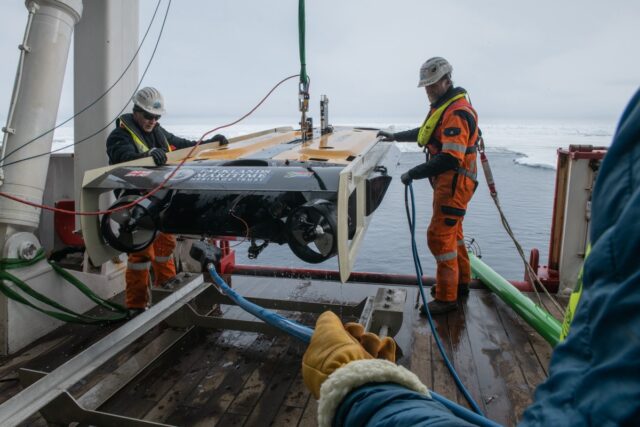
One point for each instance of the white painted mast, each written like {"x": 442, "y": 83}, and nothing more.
{"x": 105, "y": 42}
{"x": 33, "y": 111}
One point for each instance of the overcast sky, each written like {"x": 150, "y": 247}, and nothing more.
{"x": 518, "y": 59}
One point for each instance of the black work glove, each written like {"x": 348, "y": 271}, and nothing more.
{"x": 159, "y": 156}
{"x": 387, "y": 136}
{"x": 406, "y": 178}
{"x": 218, "y": 138}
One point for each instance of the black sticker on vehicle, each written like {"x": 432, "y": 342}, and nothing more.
{"x": 452, "y": 131}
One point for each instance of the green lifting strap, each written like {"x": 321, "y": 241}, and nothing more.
{"x": 65, "y": 314}
{"x": 304, "y": 79}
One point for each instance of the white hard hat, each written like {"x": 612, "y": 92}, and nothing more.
{"x": 433, "y": 70}
{"x": 150, "y": 100}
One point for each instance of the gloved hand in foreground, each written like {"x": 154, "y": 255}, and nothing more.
{"x": 159, "y": 156}
{"x": 333, "y": 346}
{"x": 406, "y": 178}
{"x": 218, "y": 138}
{"x": 386, "y": 136}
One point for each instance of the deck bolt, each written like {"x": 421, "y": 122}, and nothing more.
{"x": 28, "y": 250}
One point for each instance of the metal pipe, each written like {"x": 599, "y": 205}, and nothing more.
{"x": 391, "y": 279}
{"x": 35, "y": 107}
{"x": 331, "y": 275}
{"x": 24, "y": 49}
{"x": 538, "y": 318}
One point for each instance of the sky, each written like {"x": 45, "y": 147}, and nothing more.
{"x": 518, "y": 60}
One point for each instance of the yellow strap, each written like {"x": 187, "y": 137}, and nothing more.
{"x": 431, "y": 122}
{"x": 141, "y": 145}
{"x": 574, "y": 299}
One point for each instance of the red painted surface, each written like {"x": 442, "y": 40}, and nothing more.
{"x": 65, "y": 223}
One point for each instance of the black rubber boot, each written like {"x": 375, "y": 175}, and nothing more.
{"x": 439, "y": 307}
{"x": 133, "y": 312}
{"x": 463, "y": 290}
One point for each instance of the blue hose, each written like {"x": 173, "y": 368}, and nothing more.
{"x": 425, "y": 309}
{"x": 304, "y": 333}
{"x": 296, "y": 330}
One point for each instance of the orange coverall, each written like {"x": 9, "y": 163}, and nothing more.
{"x": 452, "y": 191}
{"x": 157, "y": 256}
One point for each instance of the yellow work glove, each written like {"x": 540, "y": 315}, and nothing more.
{"x": 332, "y": 346}
{"x": 379, "y": 348}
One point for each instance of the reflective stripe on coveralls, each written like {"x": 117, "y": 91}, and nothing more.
{"x": 446, "y": 257}
{"x": 139, "y": 142}
{"x": 456, "y": 134}
{"x": 137, "y": 280}
{"x": 140, "y": 266}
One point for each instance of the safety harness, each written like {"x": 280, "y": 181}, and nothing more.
{"x": 433, "y": 120}
{"x": 429, "y": 126}
{"x": 138, "y": 141}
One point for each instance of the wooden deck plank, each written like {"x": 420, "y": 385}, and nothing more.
{"x": 232, "y": 420}
{"x": 462, "y": 357}
{"x": 298, "y": 394}
{"x": 287, "y": 416}
{"x": 502, "y": 384}
{"x": 442, "y": 381}
{"x": 9, "y": 365}
{"x": 267, "y": 407}
{"x": 143, "y": 393}
{"x": 211, "y": 411}
{"x": 187, "y": 391}
{"x": 421, "y": 363}
{"x": 225, "y": 379}
{"x": 520, "y": 336}
{"x": 310, "y": 415}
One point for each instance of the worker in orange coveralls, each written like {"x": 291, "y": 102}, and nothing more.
{"x": 449, "y": 136}
{"x": 138, "y": 135}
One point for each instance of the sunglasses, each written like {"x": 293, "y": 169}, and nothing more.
{"x": 149, "y": 116}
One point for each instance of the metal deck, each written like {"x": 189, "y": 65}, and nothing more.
{"x": 232, "y": 378}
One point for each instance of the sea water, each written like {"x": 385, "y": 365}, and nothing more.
{"x": 522, "y": 155}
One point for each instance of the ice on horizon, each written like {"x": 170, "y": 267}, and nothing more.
{"x": 534, "y": 144}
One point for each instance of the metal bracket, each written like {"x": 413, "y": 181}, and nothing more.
{"x": 64, "y": 409}
{"x": 387, "y": 312}
{"x": 51, "y": 387}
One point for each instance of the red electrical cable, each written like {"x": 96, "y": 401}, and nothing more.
{"x": 161, "y": 185}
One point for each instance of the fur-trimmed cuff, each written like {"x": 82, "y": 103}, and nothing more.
{"x": 359, "y": 373}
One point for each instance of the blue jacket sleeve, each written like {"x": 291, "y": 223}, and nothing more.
{"x": 387, "y": 404}
{"x": 594, "y": 375}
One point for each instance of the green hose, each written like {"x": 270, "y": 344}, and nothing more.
{"x": 304, "y": 79}
{"x": 538, "y": 318}
{"x": 63, "y": 313}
